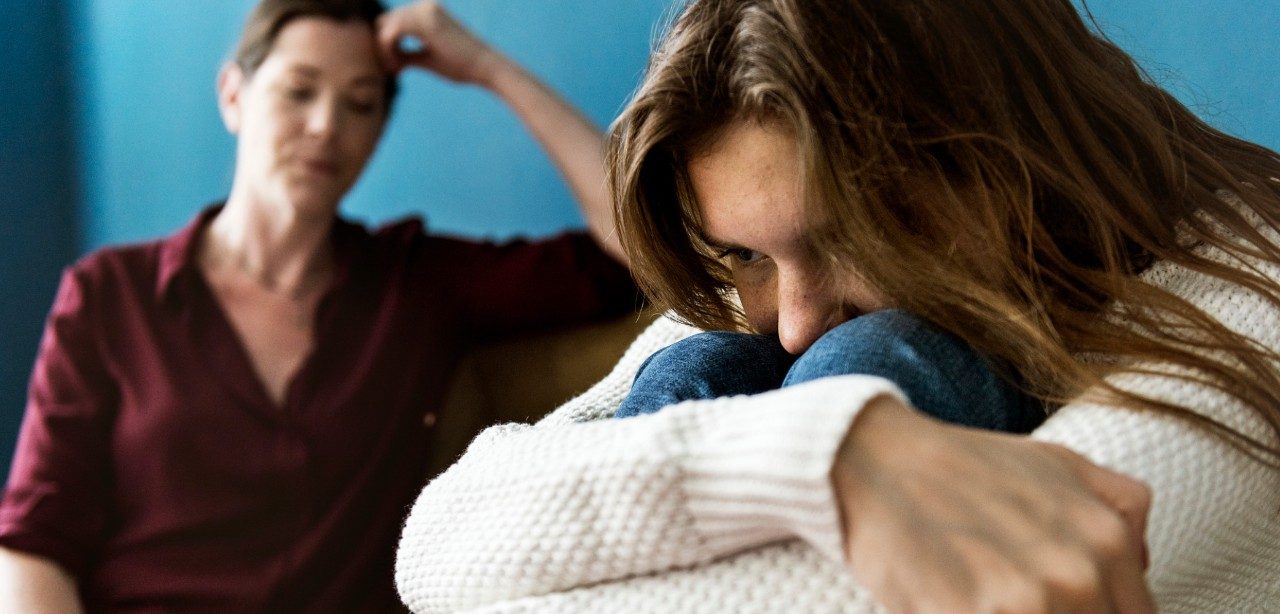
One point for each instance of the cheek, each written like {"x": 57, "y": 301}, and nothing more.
{"x": 366, "y": 135}
{"x": 361, "y": 142}
{"x": 269, "y": 136}
{"x": 861, "y": 294}
{"x": 259, "y": 146}
{"x": 760, "y": 302}
{"x": 363, "y": 130}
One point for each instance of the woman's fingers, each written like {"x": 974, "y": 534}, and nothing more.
{"x": 403, "y": 33}
{"x": 1123, "y": 543}
{"x": 1129, "y": 590}
{"x": 390, "y": 30}
{"x": 1127, "y": 496}
{"x": 423, "y": 34}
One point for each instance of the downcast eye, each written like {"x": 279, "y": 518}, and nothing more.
{"x": 742, "y": 255}
{"x": 298, "y": 94}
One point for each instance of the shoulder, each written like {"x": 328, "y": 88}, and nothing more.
{"x": 409, "y": 237}
{"x": 1244, "y": 310}
{"x": 402, "y": 230}
{"x": 116, "y": 267}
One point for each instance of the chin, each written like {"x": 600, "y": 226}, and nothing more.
{"x": 310, "y": 203}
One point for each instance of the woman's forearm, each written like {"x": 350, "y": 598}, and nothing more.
{"x": 35, "y": 584}
{"x": 572, "y": 141}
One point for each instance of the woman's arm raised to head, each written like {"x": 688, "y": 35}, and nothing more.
{"x": 35, "y": 584}
{"x": 573, "y": 142}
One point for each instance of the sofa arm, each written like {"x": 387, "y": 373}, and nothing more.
{"x": 522, "y": 379}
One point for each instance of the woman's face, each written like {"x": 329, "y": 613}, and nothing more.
{"x": 310, "y": 116}
{"x": 749, "y": 192}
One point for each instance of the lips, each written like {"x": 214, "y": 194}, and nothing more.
{"x": 320, "y": 166}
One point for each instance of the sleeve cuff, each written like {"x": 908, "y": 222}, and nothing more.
{"x": 36, "y": 544}
{"x": 758, "y": 468}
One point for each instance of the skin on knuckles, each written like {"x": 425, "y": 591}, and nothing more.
{"x": 436, "y": 42}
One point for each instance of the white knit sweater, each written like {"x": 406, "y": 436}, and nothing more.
{"x": 726, "y": 505}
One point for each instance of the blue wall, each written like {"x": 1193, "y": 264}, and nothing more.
{"x": 156, "y": 149}
{"x": 38, "y": 233}
{"x": 109, "y": 128}
{"x": 1221, "y": 58}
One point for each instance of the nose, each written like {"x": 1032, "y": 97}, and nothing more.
{"x": 322, "y": 118}
{"x": 807, "y": 308}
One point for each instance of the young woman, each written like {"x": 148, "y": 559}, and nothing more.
{"x": 232, "y": 418}
{"x": 992, "y": 167}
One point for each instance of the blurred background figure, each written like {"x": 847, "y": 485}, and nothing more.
{"x": 236, "y": 416}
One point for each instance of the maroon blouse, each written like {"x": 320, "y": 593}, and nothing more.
{"x": 153, "y": 466}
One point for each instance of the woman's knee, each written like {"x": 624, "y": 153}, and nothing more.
{"x": 713, "y": 351}
{"x": 883, "y": 342}
{"x": 876, "y": 326}
{"x": 939, "y": 373}
{"x": 705, "y": 366}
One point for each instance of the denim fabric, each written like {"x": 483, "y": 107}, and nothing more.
{"x": 939, "y": 373}
{"x": 706, "y": 366}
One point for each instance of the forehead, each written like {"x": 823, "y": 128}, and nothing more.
{"x": 748, "y": 186}
{"x": 343, "y": 50}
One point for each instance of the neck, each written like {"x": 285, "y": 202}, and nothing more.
{"x": 276, "y": 247}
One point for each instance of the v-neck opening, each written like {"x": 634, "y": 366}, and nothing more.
{"x": 242, "y": 355}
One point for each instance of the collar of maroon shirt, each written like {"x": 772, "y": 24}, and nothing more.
{"x": 178, "y": 253}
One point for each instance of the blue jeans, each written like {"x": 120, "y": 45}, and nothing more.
{"x": 939, "y": 373}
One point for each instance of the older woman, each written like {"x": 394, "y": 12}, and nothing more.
{"x": 992, "y": 167}
{"x": 235, "y": 418}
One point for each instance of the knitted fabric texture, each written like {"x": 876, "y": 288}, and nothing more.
{"x": 725, "y": 505}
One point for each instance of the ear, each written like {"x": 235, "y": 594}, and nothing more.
{"x": 231, "y": 82}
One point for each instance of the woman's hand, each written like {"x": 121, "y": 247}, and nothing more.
{"x": 940, "y": 518}
{"x": 447, "y": 48}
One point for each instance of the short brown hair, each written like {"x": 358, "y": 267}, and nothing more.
{"x": 269, "y": 17}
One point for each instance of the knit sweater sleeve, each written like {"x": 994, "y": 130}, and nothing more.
{"x": 1212, "y": 531}
{"x": 576, "y": 501}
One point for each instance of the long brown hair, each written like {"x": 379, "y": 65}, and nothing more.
{"x": 1061, "y": 173}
